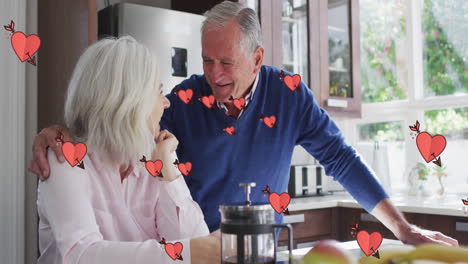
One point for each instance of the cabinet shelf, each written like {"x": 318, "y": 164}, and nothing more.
{"x": 334, "y": 69}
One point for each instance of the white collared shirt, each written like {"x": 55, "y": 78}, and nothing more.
{"x": 248, "y": 98}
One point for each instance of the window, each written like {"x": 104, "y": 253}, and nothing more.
{"x": 413, "y": 67}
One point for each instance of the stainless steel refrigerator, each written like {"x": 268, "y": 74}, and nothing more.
{"x": 173, "y": 36}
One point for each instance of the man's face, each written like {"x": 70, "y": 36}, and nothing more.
{"x": 228, "y": 70}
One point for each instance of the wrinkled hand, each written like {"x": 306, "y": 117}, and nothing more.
{"x": 206, "y": 249}
{"x": 45, "y": 139}
{"x": 415, "y": 236}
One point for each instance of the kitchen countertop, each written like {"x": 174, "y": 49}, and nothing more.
{"x": 351, "y": 246}
{"x": 450, "y": 204}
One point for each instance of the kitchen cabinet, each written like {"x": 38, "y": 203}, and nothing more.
{"x": 309, "y": 226}
{"x": 318, "y": 40}
{"x": 336, "y": 223}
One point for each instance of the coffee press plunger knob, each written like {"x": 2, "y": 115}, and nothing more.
{"x": 247, "y": 186}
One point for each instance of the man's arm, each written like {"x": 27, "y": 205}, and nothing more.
{"x": 394, "y": 220}
{"x": 321, "y": 137}
{"x": 42, "y": 141}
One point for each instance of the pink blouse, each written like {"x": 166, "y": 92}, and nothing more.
{"x": 90, "y": 216}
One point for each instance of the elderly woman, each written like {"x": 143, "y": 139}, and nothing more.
{"x": 114, "y": 210}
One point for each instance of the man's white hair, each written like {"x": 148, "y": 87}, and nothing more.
{"x": 246, "y": 18}
{"x": 110, "y": 99}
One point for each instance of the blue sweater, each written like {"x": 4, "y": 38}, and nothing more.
{"x": 258, "y": 153}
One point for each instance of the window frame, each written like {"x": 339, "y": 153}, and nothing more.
{"x": 411, "y": 109}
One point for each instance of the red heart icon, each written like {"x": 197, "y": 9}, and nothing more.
{"x": 430, "y": 146}
{"x": 74, "y": 153}
{"x": 239, "y": 103}
{"x": 279, "y": 202}
{"x": 230, "y": 130}
{"x": 174, "y": 250}
{"x": 369, "y": 243}
{"x": 185, "y": 168}
{"x": 185, "y": 95}
{"x": 292, "y": 82}
{"x": 208, "y": 101}
{"x": 154, "y": 167}
{"x": 25, "y": 47}
{"x": 270, "y": 121}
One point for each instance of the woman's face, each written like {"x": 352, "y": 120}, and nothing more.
{"x": 160, "y": 104}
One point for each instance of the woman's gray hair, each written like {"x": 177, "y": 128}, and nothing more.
{"x": 110, "y": 99}
{"x": 223, "y": 13}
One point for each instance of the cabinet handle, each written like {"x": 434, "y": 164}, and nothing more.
{"x": 461, "y": 226}
{"x": 369, "y": 218}
{"x": 291, "y": 219}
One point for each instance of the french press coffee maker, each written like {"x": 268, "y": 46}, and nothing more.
{"x": 248, "y": 232}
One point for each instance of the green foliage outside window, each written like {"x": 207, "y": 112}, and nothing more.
{"x": 445, "y": 60}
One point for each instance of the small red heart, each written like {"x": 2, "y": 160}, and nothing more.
{"x": 230, "y": 130}
{"x": 430, "y": 146}
{"x": 279, "y": 202}
{"x": 185, "y": 95}
{"x": 239, "y": 103}
{"x": 369, "y": 243}
{"x": 185, "y": 168}
{"x": 25, "y": 47}
{"x": 74, "y": 153}
{"x": 154, "y": 167}
{"x": 174, "y": 250}
{"x": 208, "y": 101}
{"x": 270, "y": 121}
{"x": 292, "y": 82}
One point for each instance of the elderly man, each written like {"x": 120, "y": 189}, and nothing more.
{"x": 232, "y": 141}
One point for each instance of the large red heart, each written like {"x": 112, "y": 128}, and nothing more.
{"x": 185, "y": 168}
{"x": 369, "y": 243}
{"x": 279, "y": 202}
{"x": 292, "y": 82}
{"x": 208, "y": 101}
{"x": 239, "y": 103}
{"x": 74, "y": 153}
{"x": 25, "y": 47}
{"x": 154, "y": 167}
{"x": 430, "y": 146}
{"x": 185, "y": 95}
{"x": 174, "y": 250}
{"x": 270, "y": 121}
{"x": 230, "y": 130}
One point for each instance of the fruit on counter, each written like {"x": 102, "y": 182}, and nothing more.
{"x": 328, "y": 252}
{"x": 439, "y": 252}
{"x": 387, "y": 254}
{"x": 426, "y": 253}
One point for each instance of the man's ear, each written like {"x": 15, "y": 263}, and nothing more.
{"x": 258, "y": 57}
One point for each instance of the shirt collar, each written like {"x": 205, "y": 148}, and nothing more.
{"x": 248, "y": 97}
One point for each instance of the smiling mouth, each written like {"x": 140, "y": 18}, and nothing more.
{"x": 222, "y": 85}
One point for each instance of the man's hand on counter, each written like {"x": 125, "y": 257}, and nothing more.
{"x": 394, "y": 220}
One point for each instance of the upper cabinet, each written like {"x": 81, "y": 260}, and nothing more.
{"x": 319, "y": 40}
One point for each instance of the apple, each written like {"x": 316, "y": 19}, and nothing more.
{"x": 328, "y": 252}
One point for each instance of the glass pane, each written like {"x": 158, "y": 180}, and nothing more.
{"x": 384, "y": 52}
{"x": 453, "y": 125}
{"x": 252, "y": 4}
{"x": 445, "y": 50}
{"x": 339, "y": 48}
{"x": 295, "y": 42}
{"x": 382, "y": 145}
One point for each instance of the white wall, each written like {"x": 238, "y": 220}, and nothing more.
{"x": 18, "y": 124}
